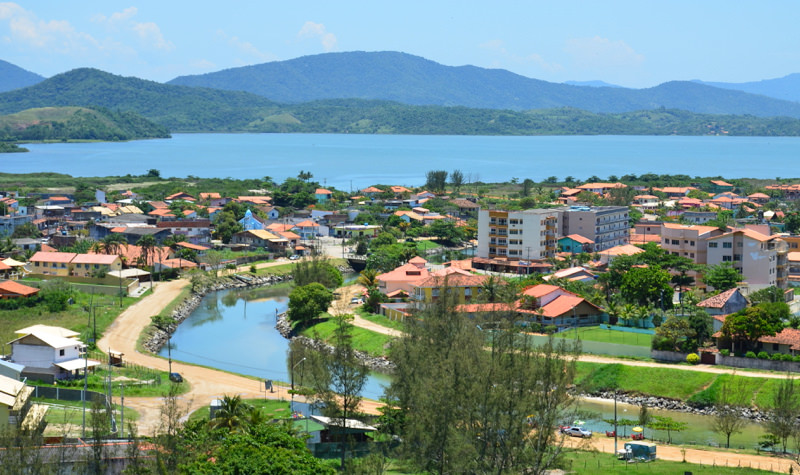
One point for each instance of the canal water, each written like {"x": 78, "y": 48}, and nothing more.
{"x": 234, "y": 330}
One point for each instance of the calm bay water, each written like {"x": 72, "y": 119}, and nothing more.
{"x": 357, "y": 161}
{"x": 234, "y": 330}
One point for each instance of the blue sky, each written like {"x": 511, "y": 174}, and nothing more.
{"x": 632, "y": 43}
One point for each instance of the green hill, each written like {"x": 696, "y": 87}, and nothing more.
{"x": 77, "y": 123}
{"x": 13, "y": 77}
{"x": 409, "y": 79}
{"x": 175, "y": 107}
{"x": 189, "y": 109}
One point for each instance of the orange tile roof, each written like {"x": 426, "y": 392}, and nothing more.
{"x": 405, "y": 273}
{"x": 787, "y": 336}
{"x": 454, "y": 280}
{"x": 720, "y": 183}
{"x": 106, "y": 259}
{"x": 210, "y": 196}
{"x": 11, "y": 287}
{"x": 540, "y": 290}
{"x": 484, "y": 307}
{"x": 322, "y": 191}
{"x": 561, "y": 305}
{"x": 580, "y": 239}
{"x": 60, "y": 257}
{"x": 371, "y": 189}
{"x": 399, "y": 189}
{"x": 4, "y": 266}
{"x": 306, "y": 224}
{"x": 719, "y": 300}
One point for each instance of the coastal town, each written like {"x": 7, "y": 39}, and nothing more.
{"x": 686, "y": 276}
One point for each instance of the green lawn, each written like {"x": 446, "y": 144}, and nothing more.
{"x": 272, "y": 408}
{"x": 381, "y": 320}
{"x": 591, "y": 463}
{"x": 375, "y": 344}
{"x": 423, "y": 246}
{"x": 75, "y": 317}
{"x": 608, "y": 336}
{"x": 663, "y": 382}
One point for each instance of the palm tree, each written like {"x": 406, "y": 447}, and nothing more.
{"x": 148, "y": 245}
{"x": 173, "y": 243}
{"x": 113, "y": 243}
{"x": 232, "y": 414}
{"x": 368, "y": 278}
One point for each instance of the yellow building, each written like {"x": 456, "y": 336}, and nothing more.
{"x": 52, "y": 263}
{"x": 90, "y": 265}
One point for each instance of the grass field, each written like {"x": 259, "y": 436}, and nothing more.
{"x": 590, "y": 463}
{"x": 375, "y": 344}
{"x": 76, "y": 317}
{"x": 381, "y": 320}
{"x": 272, "y": 409}
{"x": 608, "y": 336}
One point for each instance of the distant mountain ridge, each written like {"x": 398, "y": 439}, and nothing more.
{"x": 595, "y": 83}
{"x": 13, "y": 77}
{"x": 414, "y": 80}
{"x": 786, "y": 88}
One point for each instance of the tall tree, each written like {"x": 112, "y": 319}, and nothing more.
{"x": 435, "y": 180}
{"x": 308, "y": 301}
{"x": 232, "y": 413}
{"x": 470, "y": 410}
{"x": 113, "y": 243}
{"x": 457, "y": 180}
{"x": 731, "y": 399}
{"x": 148, "y": 246}
{"x": 784, "y": 411}
{"x": 722, "y": 277}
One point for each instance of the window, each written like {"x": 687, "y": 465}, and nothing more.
{"x": 712, "y": 244}
{"x": 675, "y": 242}
{"x": 60, "y": 352}
{"x": 691, "y": 243}
{"x": 727, "y": 258}
{"x": 727, "y": 245}
{"x": 737, "y": 257}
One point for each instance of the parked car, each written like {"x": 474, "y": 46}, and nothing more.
{"x": 294, "y": 257}
{"x": 176, "y": 377}
{"x": 576, "y": 431}
{"x": 356, "y": 301}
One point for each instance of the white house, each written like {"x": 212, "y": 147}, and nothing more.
{"x": 48, "y": 355}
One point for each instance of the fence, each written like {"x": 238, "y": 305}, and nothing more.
{"x": 755, "y": 363}
{"x": 643, "y": 331}
{"x": 600, "y": 348}
{"x": 671, "y": 356}
{"x": 146, "y": 376}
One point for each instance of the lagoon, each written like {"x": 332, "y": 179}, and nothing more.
{"x": 357, "y": 161}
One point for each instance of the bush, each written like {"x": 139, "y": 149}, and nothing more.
{"x": 535, "y": 327}
{"x": 762, "y": 355}
{"x": 230, "y": 266}
{"x": 777, "y": 357}
{"x": 787, "y": 357}
{"x": 750, "y": 354}
{"x": 796, "y": 359}
{"x": 692, "y": 358}
{"x": 550, "y": 329}
{"x": 253, "y": 269}
{"x": 725, "y": 352}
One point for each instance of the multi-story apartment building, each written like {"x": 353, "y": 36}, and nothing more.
{"x": 690, "y": 241}
{"x": 524, "y": 235}
{"x": 761, "y": 259}
{"x": 607, "y": 226}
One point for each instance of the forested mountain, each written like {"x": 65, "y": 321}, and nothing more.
{"x": 77, "y": 123}
{"x": 413, "y": 80}
{"x": 175, "y": 107}
{"x": 188, "y": 109}
{"x": 786, "y": 88}
{"x": 13, "y": 77}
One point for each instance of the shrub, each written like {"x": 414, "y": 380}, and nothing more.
{"x": 777, "y": 357}
{"x": 787, "y": 357}
{"x": 725, "y": 352}
{"x": 750, "y": 354}
{"x": 693, "y": 358}
{"x": 550, "y": 329}
{"x": 796, "y": 359}
{"x": 230, "y": 266}
{"x": 535, "y": 327}
{"x": 762, "y": 355}
{"x": 253, "y": 269}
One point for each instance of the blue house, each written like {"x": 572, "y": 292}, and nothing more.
{"x": 250, "y": 222}
{"x": 575, "y": 244}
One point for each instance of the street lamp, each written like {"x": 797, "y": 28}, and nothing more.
{"x": 291, "y": 375}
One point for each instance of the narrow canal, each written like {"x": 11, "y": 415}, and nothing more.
{"x": 234, "y": 330}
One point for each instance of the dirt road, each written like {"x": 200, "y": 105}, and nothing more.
{"x": 206, "y": 384}
{"x": 704, "y": 457}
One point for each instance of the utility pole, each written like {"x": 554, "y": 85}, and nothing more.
{"x": 85, "y": 383}
{"x": 122, "y": 408}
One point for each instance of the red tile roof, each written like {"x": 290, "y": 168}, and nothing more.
{"x": 105, "y": 259}
{"x": 454, "y": 280}
{"x": 719, "y": 300}
{"x": 540, "y": 290}
{"x": 787, "y": 336}
{"x": 60, "y": 257}
{"x": 11, "y": 287}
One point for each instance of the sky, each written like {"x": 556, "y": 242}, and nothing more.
{"x": 638, "y": 43}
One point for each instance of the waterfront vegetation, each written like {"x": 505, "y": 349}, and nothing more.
{"x": 373, "y": 343}
{"x": 589, "y": 463}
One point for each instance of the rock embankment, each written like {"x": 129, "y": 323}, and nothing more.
{"x": 653, "y": 402}
{"x": 159, "y": 338}
{"x": 374, "y": 363}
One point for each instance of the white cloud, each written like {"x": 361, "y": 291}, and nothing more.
{"x": 116, "y": 17}
{"x": 55, "y": 35}
{"x": 505, "y": 57}
{"x": 602, "y": 52}
{"x": 150, "y": 33}
{"x": 246, "y": 47}
{"x": 318, "y": 30}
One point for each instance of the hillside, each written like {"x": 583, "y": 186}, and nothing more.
{"x": 414, "y": 80}
{"x": 13, "y": 77}
{"x": 786, "y": 88}
{"x": 77, "y": 123}
{"x": 175, "y": 107}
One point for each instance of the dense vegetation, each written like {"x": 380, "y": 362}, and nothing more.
{"x": 414, "y": 80}
{"x": 189, "y": 109}
{"x": 78, "y": 123}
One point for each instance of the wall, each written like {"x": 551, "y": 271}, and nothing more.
{"x": 755, "y": 363}
{"x": 671, "y": 356}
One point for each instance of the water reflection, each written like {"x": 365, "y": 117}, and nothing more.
{"x": 234, "y": 330}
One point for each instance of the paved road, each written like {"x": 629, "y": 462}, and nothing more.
{"x": 205, "y": 383}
